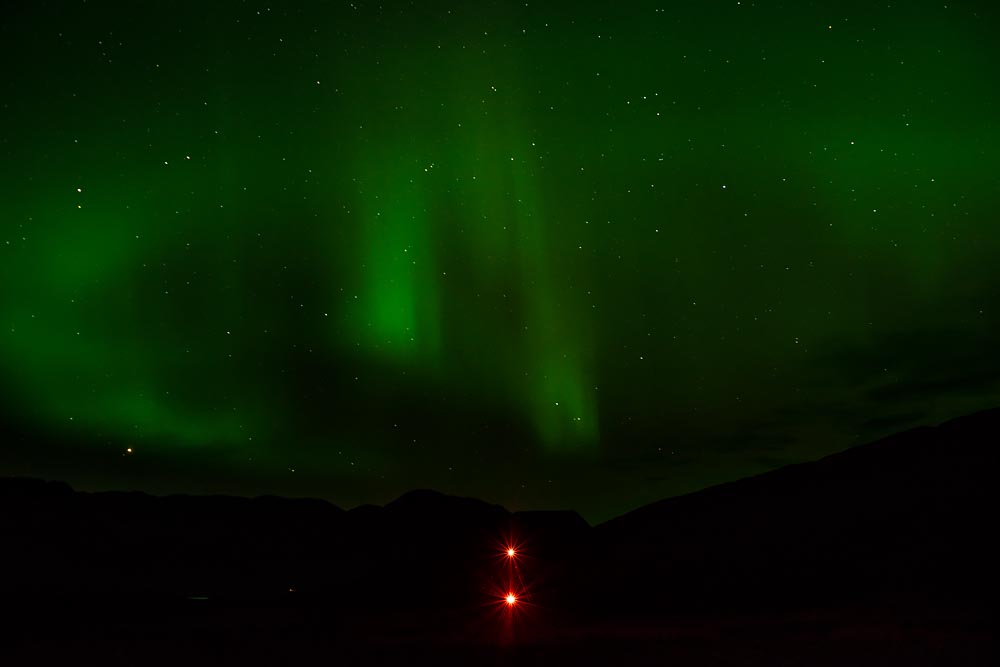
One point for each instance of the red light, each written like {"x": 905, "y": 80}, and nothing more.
{"x": 511, "y": 552}
{"x": 511, "y": 599}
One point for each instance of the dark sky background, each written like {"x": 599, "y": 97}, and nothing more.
{"x": 580, "y": 255}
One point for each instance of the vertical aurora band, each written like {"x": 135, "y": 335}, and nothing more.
{"x": 430, "y": 256}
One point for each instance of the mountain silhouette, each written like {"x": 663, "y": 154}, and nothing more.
{"x": 901, "y": 523}
{"x": 903, "y": 515}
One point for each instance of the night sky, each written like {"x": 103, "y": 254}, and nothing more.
{"x": 553, "y": 255}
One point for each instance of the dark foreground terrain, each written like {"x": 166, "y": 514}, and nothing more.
{"x": 880, "y": 555}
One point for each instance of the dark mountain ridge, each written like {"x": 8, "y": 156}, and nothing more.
{"x": 904, "y": 516}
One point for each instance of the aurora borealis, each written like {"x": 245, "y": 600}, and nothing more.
{"x": 578, "y": 255}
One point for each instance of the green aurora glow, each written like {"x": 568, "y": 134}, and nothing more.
{"x": 553, "y": 255}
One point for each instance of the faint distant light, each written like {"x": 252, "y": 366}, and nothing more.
{"x": 128, "y": 450}
{"x": 511, "y": 599}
